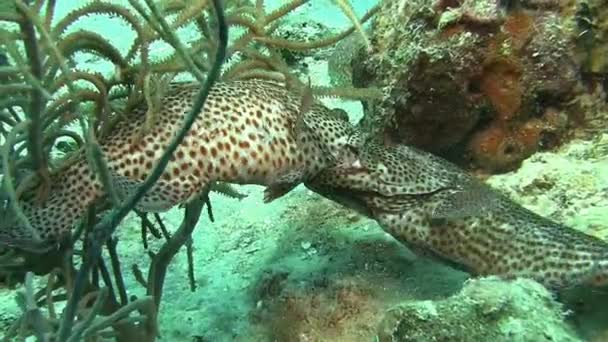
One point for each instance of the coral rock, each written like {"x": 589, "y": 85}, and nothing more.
{"x": 468, "y": 76}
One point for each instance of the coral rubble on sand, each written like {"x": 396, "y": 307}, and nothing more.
{"x": 485, "y": 310}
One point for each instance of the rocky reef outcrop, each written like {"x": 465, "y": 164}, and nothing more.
{"x": 481, "y": 82}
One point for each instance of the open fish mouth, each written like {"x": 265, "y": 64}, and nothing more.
{"x": 347, "y": 198}
{"x": 14, "y": 234}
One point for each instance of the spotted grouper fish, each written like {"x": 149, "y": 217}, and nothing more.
{"x": 249, "y": 132}
{"x": 437, "y": 209}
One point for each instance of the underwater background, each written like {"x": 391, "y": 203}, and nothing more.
{"x": 512, "y": 91}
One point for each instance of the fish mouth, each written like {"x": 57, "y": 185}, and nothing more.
{"x": 16, "y": 236}
{"x": 347, "y": 198}
{"x": 29, "y": 245}
{"x": 19, "y": 241}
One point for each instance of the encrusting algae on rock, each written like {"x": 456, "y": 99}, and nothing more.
{"x": 473, "y": 81}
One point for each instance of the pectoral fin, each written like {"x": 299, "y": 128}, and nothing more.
{"x": 276, "y": 191}
{"x": 470, "y": 202}
{"x": 283, "y": 184}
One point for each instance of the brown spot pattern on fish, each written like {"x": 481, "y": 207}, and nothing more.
{"x": 246, "y": 134}
{"x": 478, "y": 228}
{"x": 329, "y": 130}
